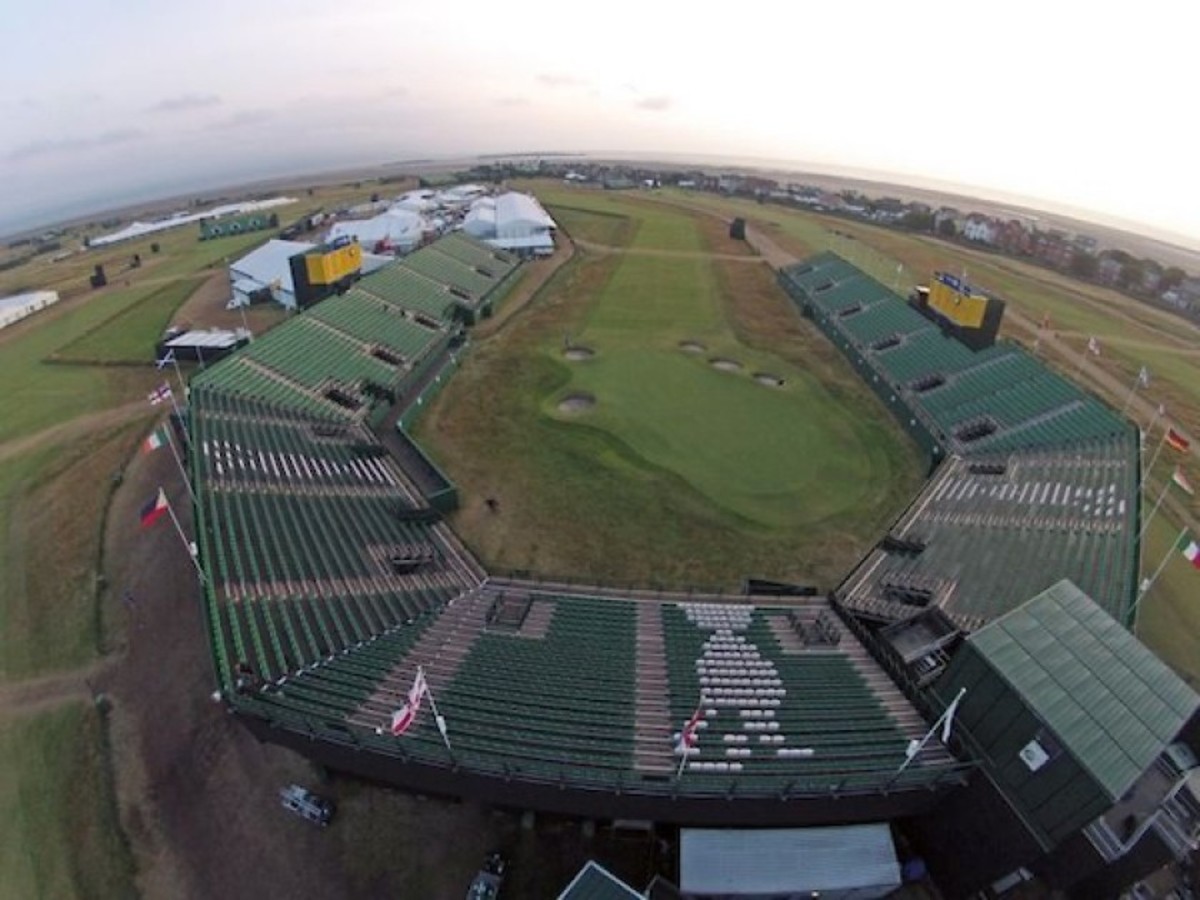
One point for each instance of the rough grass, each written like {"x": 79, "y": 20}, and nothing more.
{"x": 596, "y": 227}
{"x": 1169, "y": 618}
{"x": 51, "y": 506}
{"x": 130, "y": 335}
{"x": 61, "y": 836}
{"x": 681, "y": 474}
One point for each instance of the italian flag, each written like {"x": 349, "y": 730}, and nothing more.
{"x": 1180, "y": 479}
{"x": 1190, "y": 549}
{"x": 154, "y": 441}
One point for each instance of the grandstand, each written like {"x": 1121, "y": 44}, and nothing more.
{"x": 963, "y": 401}
{"x": 330, "y": 577}
{"x": 1040, "y": 479}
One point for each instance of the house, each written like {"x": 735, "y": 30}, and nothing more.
{"x": 979, "y": 229}
{"x": 1108, "y": 270}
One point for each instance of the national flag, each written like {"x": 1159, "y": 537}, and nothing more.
{"x": 1180, "y": 479}
{"x": 166, "y": 360}
{"x": 153, "y": 510}
{"x": 948, "y": 720}
{"x": 1093, "y": 346}
{"x": 156, "y": 439}
{"x": 1177, "y": 441}
{"x": 159, "y": 394}
{"x": 1190, "y": 549}
{"x": 1143, "y": 378}
{"x": 687, "y": 737}
{"x": 403, "y": 718}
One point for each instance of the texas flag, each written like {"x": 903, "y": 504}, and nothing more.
{"x": 154, "y": 510}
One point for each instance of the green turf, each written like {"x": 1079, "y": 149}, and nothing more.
{"x": 681, "y": 473}
{"x": 60, "y": 833}
{"x": 35, "y": 394}
{"x": 131, "y": 334}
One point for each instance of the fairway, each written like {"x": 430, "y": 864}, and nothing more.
{"x": 771, "y": 455}
{"x": 710, "y": 451}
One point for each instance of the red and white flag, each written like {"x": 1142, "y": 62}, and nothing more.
{"x": 687, "y": 737}
{"x": 159, "y": 394}
{"x": 403, "y": 718}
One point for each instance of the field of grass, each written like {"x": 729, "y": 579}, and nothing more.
{"x": 1169, "y": 617}
{"x": 51, "y": 506}
{"x": 131, "y": 334}
{"x": 61, "y": 838}
{"x": 680, "y": 473}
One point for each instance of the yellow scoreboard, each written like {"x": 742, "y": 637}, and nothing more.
{"x": 330, "y": 265}
{"x": 955, "y": 300}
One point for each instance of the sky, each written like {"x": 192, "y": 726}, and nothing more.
{"x": 1072, "y": 104}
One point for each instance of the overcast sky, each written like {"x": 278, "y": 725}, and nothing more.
{"x": 1062, "y": 101}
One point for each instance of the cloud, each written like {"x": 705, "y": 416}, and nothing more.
{"x": 512, "y": 101}
{"x": 655, "y": 104}
{"x": 184, "y": 102}
{"x": 71, "y": 145}
{"x": 245, "y": 117}
{"x": 559, "y": 80}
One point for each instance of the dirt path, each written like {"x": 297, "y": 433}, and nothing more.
{"x": 74, "y": 429}
{"x": 47, "y": 691}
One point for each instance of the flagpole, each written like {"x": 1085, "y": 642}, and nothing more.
{"x": 1157, "y": 504}
{"x": 437, "y": 717}
{"x": 187, "y": 545}
{"x": 1158, "y": 412}
{"x": 1132, "y": 390}
{"x": 1154, "y": 458}
{"x": 909, "y": 757}
{"x": 178, "y": 374}
{"x": 179, "y": 462}
{"x": 1149, "y": 582}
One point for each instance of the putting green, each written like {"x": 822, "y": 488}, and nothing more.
{"x": 776, "y": 457}
{"x": 773, "y": 456}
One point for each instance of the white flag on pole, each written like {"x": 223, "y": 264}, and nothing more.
{"x": 1143, "y": 378}
{"x": 1093, "y": 346}
{"x": 948, "y": 721}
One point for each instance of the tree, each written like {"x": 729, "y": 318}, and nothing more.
{"x": 1083, "y": 265}
{"x": 915, "y": 220}
{"x": 1171, "y": 278}
{"x": 947, "y": 228}
{"x": 1132, "y": 274}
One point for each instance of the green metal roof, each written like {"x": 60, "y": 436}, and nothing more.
{"x": 594, "y": 882}
{"x": 1108, "y": 699}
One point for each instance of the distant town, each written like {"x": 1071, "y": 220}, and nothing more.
{"x": 1078, "y": 254}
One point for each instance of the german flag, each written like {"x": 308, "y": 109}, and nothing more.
{"x": 1177, "y": 441}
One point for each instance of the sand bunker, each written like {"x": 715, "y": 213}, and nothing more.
{"x": 725, "y": 365}
{"x": 692, "y": 347}
{"x": 768, "y": 379}
{"x": 576, "y": 354}
{"x": 576, "y": 403}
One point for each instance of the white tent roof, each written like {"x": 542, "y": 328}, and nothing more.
{"x": 732, "y": 862}
{"x": 514, "y": 207}
{"x": 269, "y": 263}
{"x": 399, "y": 225}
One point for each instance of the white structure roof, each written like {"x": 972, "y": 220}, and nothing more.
{"x": 18, "y": 306}
{"x": 513, "y": 208}
{"x": 215, "y": 339}
{"x": 416, "y": 201}
{"x": 269, "y": 263}
{"x": 139, "y": 229}
{"x": 397, "y": 226}
{"x": 788, "y": 861}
